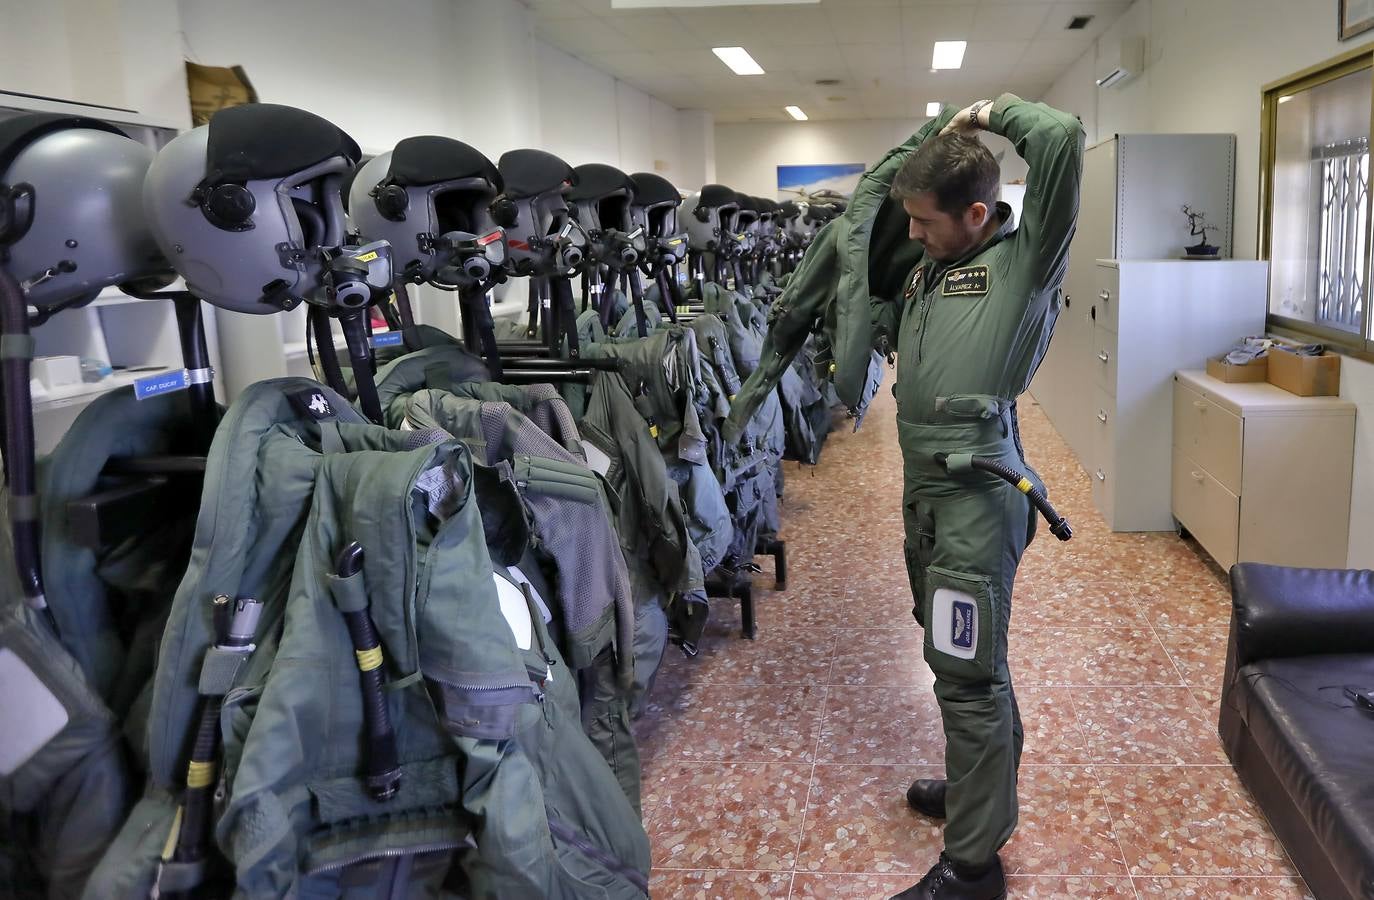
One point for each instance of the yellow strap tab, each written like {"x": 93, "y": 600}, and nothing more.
{"x": 200, "y": 774}
{"x": 368, "y": 659}
{"x": 171, "y": 846}
{"x": 833, "y": 367}
{"x": 732, "y": 398}
{"x": 653, "y": 431}
{"x": 1024, "y": 485}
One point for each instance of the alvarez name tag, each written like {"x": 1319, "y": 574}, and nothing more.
{"x": 968, "y": 280}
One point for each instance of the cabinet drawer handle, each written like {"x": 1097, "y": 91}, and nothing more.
{"x": 1105, "y": 295}
{"x": 1103, "y": 355}
{"x": 1102, "y": 416}
{"x": 1101, "y": 475}
{"x": 1197, "y": 476}
{"x": 1200, "y": 405}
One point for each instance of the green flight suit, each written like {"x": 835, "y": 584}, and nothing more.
{"x": 971, "y": 334}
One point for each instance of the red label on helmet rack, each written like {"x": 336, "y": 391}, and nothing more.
{"x": 487, "y": 239}
{"x": 518, "y": 245}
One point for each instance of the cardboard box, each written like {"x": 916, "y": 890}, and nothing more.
{"x": 1306, "y": 376}
{"x": 1254, "y": 371}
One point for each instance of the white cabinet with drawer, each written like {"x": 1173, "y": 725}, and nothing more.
{"x": 1149, "y": 318}
{"x": 1262, "y": 475}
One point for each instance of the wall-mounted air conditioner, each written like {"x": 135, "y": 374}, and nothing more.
{"x": 1121, "y": 61}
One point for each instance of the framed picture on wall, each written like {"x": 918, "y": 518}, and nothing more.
{"x": 1356, "y": 16}
{"x": 804, "y": 181}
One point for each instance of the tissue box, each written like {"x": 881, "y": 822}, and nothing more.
{"x": 57, "y": 371}
{"x": 1255, "y": 370}
{"x": 1306, "y": 376}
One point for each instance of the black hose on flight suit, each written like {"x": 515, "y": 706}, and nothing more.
{"x": 1059, "y": 526}
{"x": 383, "y": 776}
{"x": 236, "y": 622}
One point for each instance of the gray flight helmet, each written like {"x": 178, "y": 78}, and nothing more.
{"x": 249, "y": 210}
{"x": 71, "y": 211}
{"x": 430, "y": 198}
{"x": 543, "y": 237}
{"x": 601, "y": 202}
{"x": 709, "y": 215}
{"x": 746, "y": 223}
{"x": 654, "y": 209}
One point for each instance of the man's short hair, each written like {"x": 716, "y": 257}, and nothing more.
{"x": 957, "y": 168}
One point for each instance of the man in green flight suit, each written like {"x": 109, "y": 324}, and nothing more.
{"x": 975, "y": 319}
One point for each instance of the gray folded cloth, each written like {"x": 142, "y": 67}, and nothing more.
{"x": 1249, "y": 350}
{"x": 1303, "y": 349}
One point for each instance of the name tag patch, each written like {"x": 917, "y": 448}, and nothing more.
{"x": 968, "y": 280}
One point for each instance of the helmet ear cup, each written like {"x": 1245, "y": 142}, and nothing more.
{"x": 392, "y": 201}
{"x": 504, "y": 212}
{"x": 230, "y": 206}
{"x": 701, "y": 213}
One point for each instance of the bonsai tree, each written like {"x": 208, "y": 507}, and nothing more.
{"x": 1198, "y": 228}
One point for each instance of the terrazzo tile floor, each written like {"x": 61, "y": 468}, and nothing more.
{"x": 778, "y": 767}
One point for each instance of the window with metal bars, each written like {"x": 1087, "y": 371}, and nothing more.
{"x": 1341, "y": 274}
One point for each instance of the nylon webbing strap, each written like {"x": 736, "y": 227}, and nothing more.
{"x": 350, "y": 594}
{"x": 330, "y": 439}
{"x": 220, "y": 669}
{"x": 17, "y": 346}
{"x": 181, "y": 877}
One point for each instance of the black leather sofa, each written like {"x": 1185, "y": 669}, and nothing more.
{"x": 1299, "y": 744}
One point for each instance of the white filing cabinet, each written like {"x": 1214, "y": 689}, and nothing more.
{"x": 1150, "y": 318}
{"x": 1262, "y": 475}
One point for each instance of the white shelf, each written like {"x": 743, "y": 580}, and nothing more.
{"x": 85, "y": 392}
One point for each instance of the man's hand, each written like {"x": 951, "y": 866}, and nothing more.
{"x": 974, "y": 117}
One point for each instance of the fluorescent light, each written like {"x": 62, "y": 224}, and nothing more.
{"x": 1285, "y": 98}
{"x": 703, "y": 4}
{"x": 796, "y": 113}
{"x": 948, "y": 54}
{"x": 739, "y": 60}
{"x": 933, "y": 108}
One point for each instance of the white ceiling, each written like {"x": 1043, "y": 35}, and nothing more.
{"x": 878, "y": 49}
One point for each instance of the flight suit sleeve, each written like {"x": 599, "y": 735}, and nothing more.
{"x": 887, "y": 313}
{"x": 1051, "y": 143}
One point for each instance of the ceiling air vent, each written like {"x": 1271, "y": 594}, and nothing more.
{"x": 1078, "y": 23}
{"x": 827, "y": 82}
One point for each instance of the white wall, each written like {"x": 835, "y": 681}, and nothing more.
{"x": 120, "y": 53}
{"x": 1206, "y": 61}
{"x": 748, "y": 154}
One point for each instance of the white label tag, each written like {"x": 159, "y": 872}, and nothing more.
{"x": 30, "y": 714}
{"x": 516, "y": 611}
{"x": 597, "y": 461}
{"x": 954, "y": 623}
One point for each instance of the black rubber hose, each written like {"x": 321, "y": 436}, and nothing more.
{"x": 480, "y": 307}
{"x": 667, "y": 298}
{"x": 566, "y": 316}
{"x": 1059, "y": 526}
{"x": 317, "y": 324}
{"x": 383, "y": 777}
{"x": 19, "y": 453}
{"x": 198, "y": 801}
{"x": 637, "y": 295}
{"x": 354, "y": 324}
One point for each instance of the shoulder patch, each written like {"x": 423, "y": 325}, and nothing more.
{"x": 914, "y": 284}
{"x": 968, "y": 280}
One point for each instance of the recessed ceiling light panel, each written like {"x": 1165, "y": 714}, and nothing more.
{"x": 796, "y": 113}
{"x": 739, "y": 60}
{"x": 948, "y": 54}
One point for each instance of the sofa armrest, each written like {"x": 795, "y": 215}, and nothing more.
{"x": 1279, "y": 611}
